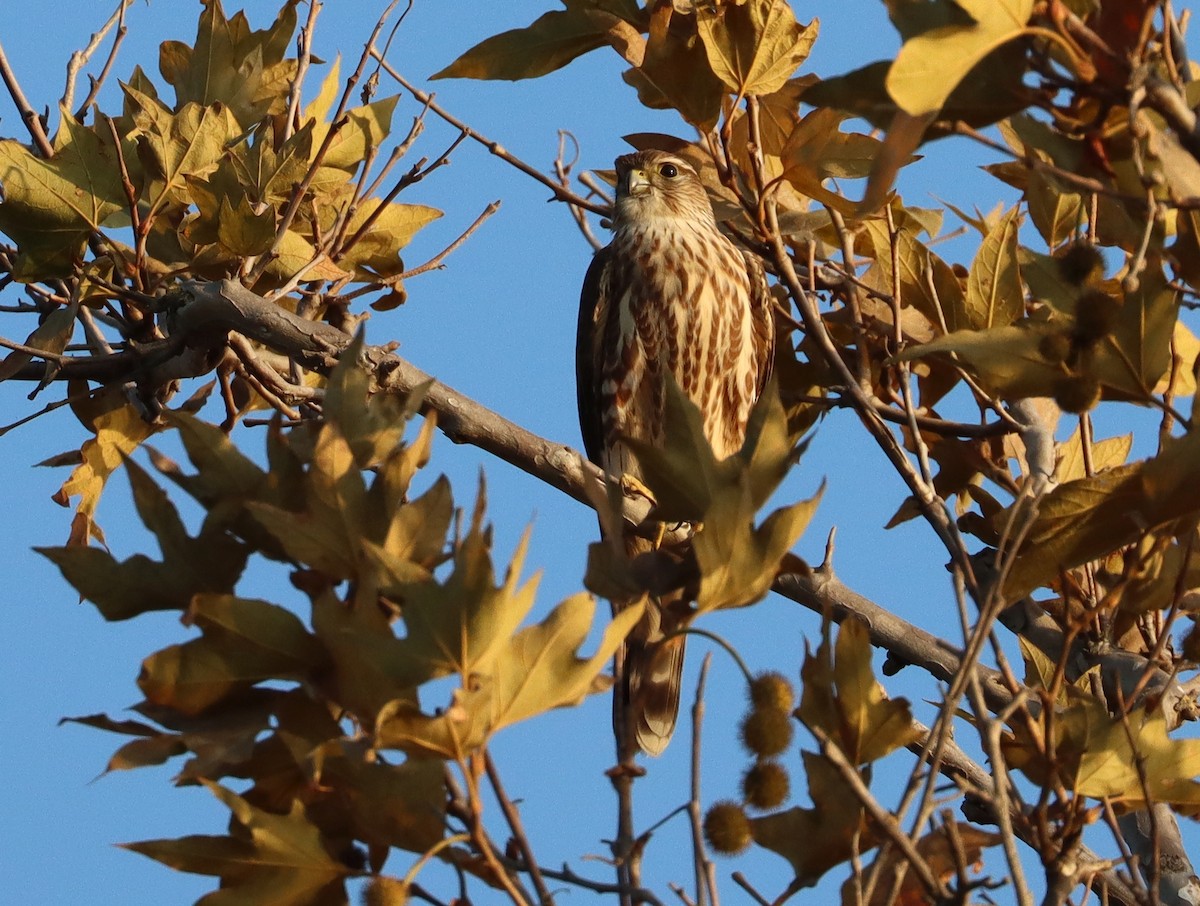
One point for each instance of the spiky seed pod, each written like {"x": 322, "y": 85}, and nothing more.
{"x": 1079, "y": 262}
{"x": 1077, "y": 394}
{"x": 1095, "y": 315}
{"x": 1055, "y": 347}
{"x": 766, "y": 785}
{"x": 727, "y": 829}
{"x": 766, "y": 732}
{"x": 772, "y": 690}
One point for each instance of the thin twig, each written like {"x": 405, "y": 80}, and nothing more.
{"x": 495, "y": 148}
{"x": 33, "y": 122}
{"x": 80, "y": 58}
{"x": 706, "y": 880}
{"x": 513, "y": 817}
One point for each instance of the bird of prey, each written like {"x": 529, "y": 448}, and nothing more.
{"x": 670, "y": 295}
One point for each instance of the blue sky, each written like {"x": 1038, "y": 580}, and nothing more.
{"x": 497, "y": 324}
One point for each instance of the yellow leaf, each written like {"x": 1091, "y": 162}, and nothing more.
{"x": 279, "y": 858}
{"x": 995, "y": 297}
{"x": 551, "y": 42}
{"x": 843, "y": 699}
{"x": 118, "y": 433}
{"x": 930, "y": 65}
{"x": 754, "y": 47}
{"x": 536, "y": 671}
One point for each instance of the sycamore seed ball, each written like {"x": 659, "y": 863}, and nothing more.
{"x": 1055, "y": 347}
{"x": 727, "y": 829}
{"x": 766, "y": 785}
{"x": 772, "y": 690}
{"x": 1077, "y": 394}
{"x": 766, "y": 732}
{"x": 1079, "y": 262}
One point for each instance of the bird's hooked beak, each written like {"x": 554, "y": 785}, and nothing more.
{"x": 638, "y": 182}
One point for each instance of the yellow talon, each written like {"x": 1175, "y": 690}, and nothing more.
{"x": 631, "y": 485}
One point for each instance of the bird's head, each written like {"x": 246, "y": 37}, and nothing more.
{"x": 655, "y": 185}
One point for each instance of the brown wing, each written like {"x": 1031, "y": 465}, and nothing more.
{"x": 762, "y": 308}
{"x": 592, "y": 305}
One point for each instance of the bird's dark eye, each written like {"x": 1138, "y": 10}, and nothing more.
{"x": 670, "y": 171}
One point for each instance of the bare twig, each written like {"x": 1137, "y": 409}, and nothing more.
{"x": 33, "y": 122}
{"x": 560, "y": 193}
{"x": 80, "y": 58}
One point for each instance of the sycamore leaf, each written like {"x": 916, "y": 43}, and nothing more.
{"x": 460, "y": 625}
{"x": 674, "y": 72}
{"x": 175, "y": 146}
{"x": 1055, "y": 210}
{"x": 535, "y": 671}
{"x": 247, "y": 70}
{"x": 551, "y": 42}
{"x": 995, "y": 296}
{"x": 280, "y": 859}
{"x": 1137, "y": 354}
{"x": 52, "y": 336}
{"x": 1088, "y": 518}
{"x": 755, "y": 46}
{"x": 1008, "y": 360}
{"x": 372, "y": 424}
{"x": 210, "y": 562}
{"x": 244, "y": 642}
{"x": 269, "y": 173}
{"x": 242, "y": 231}
{"x": 945, "y": 856}
{"x": 388, "y": 804}
{"x": 360, "y": 130}
{"x": 843, "y": 699}
{"x": 916, "y": 260}
{"x": 738, "y": 561}
{"x": 375, "y": 251}
{"x": 369, "y": 664}
{"x": 118, "y": 433}
{"x": 1116, "y": 756}
{"x": 816, "y": 839}
{"x": 325, "y": 536}
{"x": 1106, "y": 454}
{"x": 931, "y": 64}
{"x": 50, "y": 206}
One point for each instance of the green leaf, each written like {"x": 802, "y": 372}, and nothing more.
{"x": 931, "y": 64}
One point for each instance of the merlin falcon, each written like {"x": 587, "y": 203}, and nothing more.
{"x": 670, "y": 295}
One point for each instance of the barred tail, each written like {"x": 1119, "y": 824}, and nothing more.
{"x": 649, "y": 675}
{"x": 654, "y": 674}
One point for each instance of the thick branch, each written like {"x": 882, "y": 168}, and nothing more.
{"x": 201, "y": 316}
